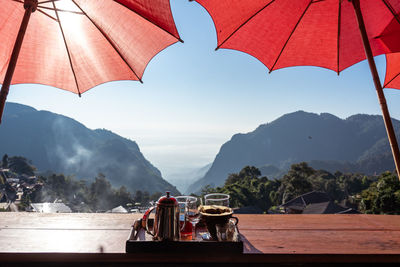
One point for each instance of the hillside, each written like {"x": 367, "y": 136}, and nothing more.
{"x": 356, "y": 144}
{"x": 62, "y": 145}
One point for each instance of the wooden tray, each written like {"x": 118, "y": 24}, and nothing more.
{"x": 145, "y": 244}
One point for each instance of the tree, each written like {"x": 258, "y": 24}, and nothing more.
{"x": 101, "y": 194}
{"x": 248, "y": 172}
{"x": 155, "y": 196}
{"x": 146, "y": 198}
{"x": 122, "y": 197}
{"x": 247, "y": 188}
{"x": 296, "y": 182}
{"x": 207, "y": 189}
{"x": 382, "y": 196}
{"x": 138, "y": 196}
{"x": 4, "y": 162}
{"x": 21, "y": 165}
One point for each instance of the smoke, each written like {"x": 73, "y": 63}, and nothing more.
{"x": 77, "y": 159}
{"x": 78, "y": 151}
{"x": 81, "y": 154}
{"x": 69, "y": 152}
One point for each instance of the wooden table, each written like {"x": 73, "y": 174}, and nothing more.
{"x": 100, "y": 238}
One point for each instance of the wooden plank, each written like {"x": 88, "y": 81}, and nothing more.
{"x": 263, "y": 234}
{"x": 68, "y": 232}
{"x": 63, "y": 240}
{"x": 317, "y": 221}
{"x": 32, "y": 220}
{"x": 323, "y": 242}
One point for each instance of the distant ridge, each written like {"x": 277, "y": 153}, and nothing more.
{"x": 62, "y": 145}
{"x": 356, "y": 144}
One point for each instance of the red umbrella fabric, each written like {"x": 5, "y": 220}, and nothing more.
{"x": 78, "y": 44}
{"x": 392, "y": 78}
{"x": 332, "y": 34}
{"x": 284, "y": 33}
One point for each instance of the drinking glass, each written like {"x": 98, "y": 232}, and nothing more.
{"x": 217, "y": 199}
{"x": 227, "y": 231}
{"x": 193, "y": 204}
{"x": 186, "y": 228}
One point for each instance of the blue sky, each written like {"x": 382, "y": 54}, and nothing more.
{"x": 194, "y": 98}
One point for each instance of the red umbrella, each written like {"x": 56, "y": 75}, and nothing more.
{"x": 78, "y": 44}
{"x": 333, "y": 34}
{"x": 392, "y": 78}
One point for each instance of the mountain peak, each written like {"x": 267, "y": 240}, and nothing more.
{"x": 15, "y": 108}
{"x": 323, "y": 139}
{"x": 63, "y": 145}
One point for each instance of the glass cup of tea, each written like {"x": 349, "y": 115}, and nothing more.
{"x": 186, "y": 227}
{"x": 217, "y": 199}
{"x": 193, "y": 204}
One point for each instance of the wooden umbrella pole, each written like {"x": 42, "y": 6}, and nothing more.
{"x": 381, "y": 96}
{"x": 30, "y": 6}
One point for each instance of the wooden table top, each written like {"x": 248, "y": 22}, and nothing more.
{"x": 270, "y": 238}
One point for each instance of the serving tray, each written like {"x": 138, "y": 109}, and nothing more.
{"x": 145, "y": 244}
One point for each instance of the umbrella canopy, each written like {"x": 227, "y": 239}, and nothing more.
{"x": 392, "y": 78}
{"x": 332, "y": 34}
{"x": 78, "y": 44}
{"x": 284, "y": 33}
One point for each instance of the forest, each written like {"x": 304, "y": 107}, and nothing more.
{"x": 80, "y": 195}
{"x": 369, "y": 194}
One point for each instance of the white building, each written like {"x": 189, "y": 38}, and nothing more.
{"x": 50, "y": 208}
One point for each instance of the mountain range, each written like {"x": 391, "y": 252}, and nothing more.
{"x": 60, "y": 144}
{"x": 356, "y": 144}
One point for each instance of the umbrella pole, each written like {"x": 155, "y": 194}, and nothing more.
{"x": 30, "y": 6}
{"x": 381, "y": 96}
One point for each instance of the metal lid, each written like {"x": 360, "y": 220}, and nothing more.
{"x": 167, "y": 200}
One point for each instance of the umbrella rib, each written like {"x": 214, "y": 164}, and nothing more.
{"x": 109, "y": 41}
{"x": 44, "y": 13}
{"x": 397, "y": 75}
{"x": 68, "y": 52}
{"x": 390, "y": 7}
{"x": 178, "y": 38}
{"x": 290, "y": 36}
{"x": 240, "y": 26}
{"x": 48, "y": 1}
{"x": 62, "y": 10}
{"x": 338, "y": 36}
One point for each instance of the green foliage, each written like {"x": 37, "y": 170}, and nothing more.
{"x": 296, "y": 182}
{"x": 301, "y": 179}
{"x": 83, "y": 197}
{"x": 247, "y": 188}
{"x": 101, "y": 194}
{"x": 382, "y": 196}
{"x": 248, "y": 172}
{"x": 208, "y": 189}
{"x": 4, "y": 162}
{"x": 21, "y": 165}
{"x": 77, "y": 194}
{"x": 155, "y": 196}
{"x": 25, "y": 202}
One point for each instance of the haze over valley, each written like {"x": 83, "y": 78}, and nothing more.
{"x": 57, "y": 143}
